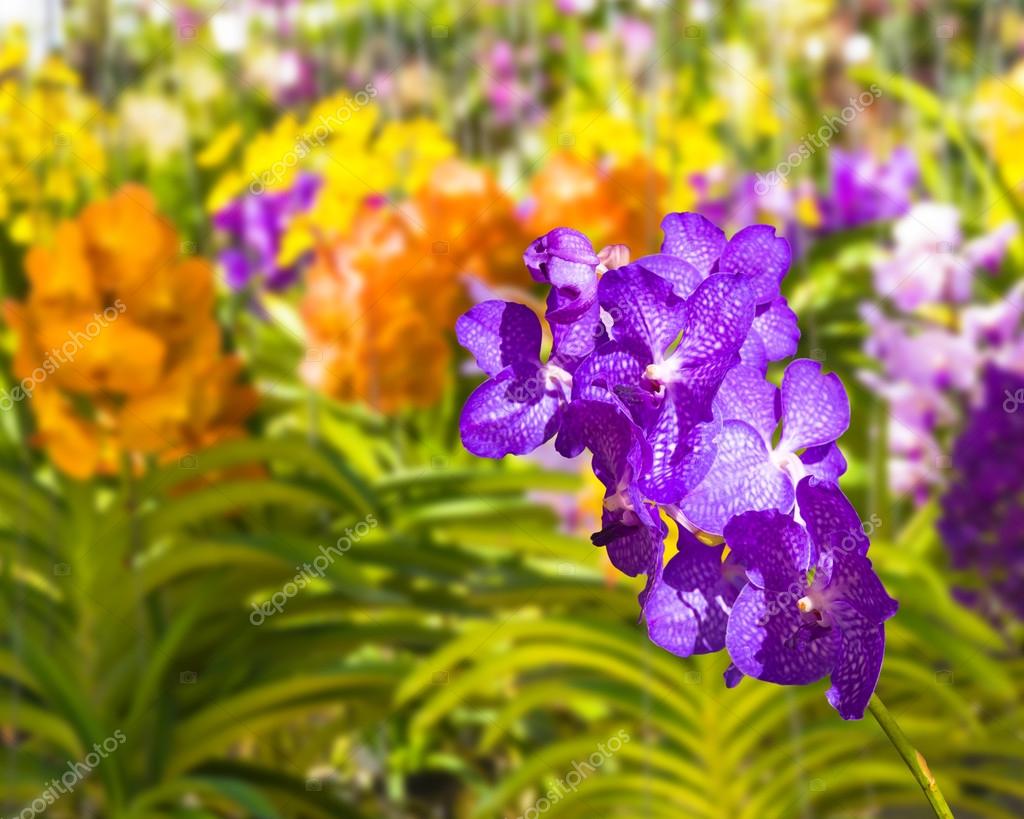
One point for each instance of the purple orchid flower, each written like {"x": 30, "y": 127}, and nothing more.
{"x": 255, "y": 225}
{"x": 521, "y": 405}
{"x": 632, "y": 532}
{"x": 665, "y": 362}
{"x": 688, "y": 605}
{"x": 863, "y": 190}
{"x": 982, "y": 514}
{"x": 755, "y": 254}
{"x": 748, "y": 471}
{"x": 658, "y": 367}
{"x": 813, "y": 606}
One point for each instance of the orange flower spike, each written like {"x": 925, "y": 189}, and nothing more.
{"x": 60, "y": 277}
{"x": 118, "y": 349}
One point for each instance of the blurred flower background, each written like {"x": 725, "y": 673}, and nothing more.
{"x": 246, "y": 567}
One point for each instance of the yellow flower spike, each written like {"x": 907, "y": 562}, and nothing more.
{"x": 14, "y": 50}
{"x": 296, "y": 242}
{"x": 220, "y": 147}
{"x": 808, "y": 213}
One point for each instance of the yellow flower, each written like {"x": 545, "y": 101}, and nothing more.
{"x": 118, "y": 351}
{"x": 998, "y": 114}
{"x": 51, "y": 154}
{"x": 217, "y": 152}
{"x": 343, "y": 141}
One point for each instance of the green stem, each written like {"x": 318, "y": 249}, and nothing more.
{"x": 918, "y": 767}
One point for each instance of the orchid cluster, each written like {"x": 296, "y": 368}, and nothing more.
{"x": 935, "y": 347}
{"x": 982, "y": 520}
{"x": 255, "y": 225}
{"x": 658, "y": 367}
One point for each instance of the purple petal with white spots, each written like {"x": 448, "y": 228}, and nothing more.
{"x": 832, "y": 522}
{"x": 682, "y": 275}
{"x": 663, "y": 481}
{"x": 746, "y": 396}
{"x": 670, "y": 624}
{"x": 693, "y": 239}
{"x": 855, "y": 583}
{"x": 778, "y": 328}
{"x": 701, "y": 451}
{"x": 753, "y": 353}
{"x": 815, "y": 409}
{"x": 512, "y": 413}
{"x": 824, "y": 463}
{"x": 500, "y": 334}
{"x": 769, "y": 639}
{"x": 760, "y": 257}
{"x": 573, "y": 340}
{"x": 772, "y": 548}
{"x": 614, "y": 373}
{"x": 689, "y": 604}
{"x": 642, "y": 306}
{"x": 742, "y": 477}
{"x": 718, "y": 318}
{"x": 616, "y": 442}
{"x": 858, "y": 664}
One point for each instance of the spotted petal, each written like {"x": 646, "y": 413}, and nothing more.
{"x": 512, "y": 413}
{"x": 745, "y": 395}
{"x": 613, "y": 373}
{"x": 859, "y": 662}
{"x": 682, "y": 275}
{"x": 500, "y": 334}
{"x": 815, "y": 409}
{"x": 617, "y": 444}
{"x": 772, "y": 548}
{"x": 573, "y": 339}
{"x": 675, "y": 437}
{"x": 642, "y": 306}
{"x": 693, "y": 239}
{"x": 718, "y": 318}
{"x": 825, "y": 462}
{"x": 689, "y": 604}
{"x": 760, "y": 257}
{"x": 832, "y": 522}
{"x": 767, "y": 638}
{"x": 854, "y": 582}
{"x": 778, "y": 328}
{"x": 742, "y": 477}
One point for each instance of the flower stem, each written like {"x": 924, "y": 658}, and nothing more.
{"x": 918, "y": 767}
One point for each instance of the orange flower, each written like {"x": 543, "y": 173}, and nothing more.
{"x": 117, "y": 345}
{"x": 381, "y": 302}
{"x": 617, "y": 206}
